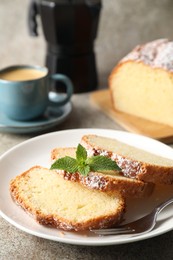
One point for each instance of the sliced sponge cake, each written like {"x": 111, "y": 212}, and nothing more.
{"x": 63, "y": 204}
{"x": 108, "y": 182}
{"x": 135, "y": 163}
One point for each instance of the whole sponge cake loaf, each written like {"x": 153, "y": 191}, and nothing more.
{"x": 109, "y": 182}
{"x": 135, "y": 163}
{"x": 142, "y": 83}
{"x": 59, "y": 203}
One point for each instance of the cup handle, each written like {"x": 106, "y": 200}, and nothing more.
{"x": 57, "y": 99}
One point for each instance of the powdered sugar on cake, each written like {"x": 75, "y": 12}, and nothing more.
{"x": 130, "y": 168}
{"x": 92, "y": 180}
{"x": 157, "y": 54}
{"x": 95, "y": 181}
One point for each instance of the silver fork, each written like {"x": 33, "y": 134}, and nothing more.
{"x": 140, "y": 226}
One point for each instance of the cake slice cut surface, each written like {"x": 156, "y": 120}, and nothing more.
{"x": 142, "y": 82}
{"x": 60, "y": 203}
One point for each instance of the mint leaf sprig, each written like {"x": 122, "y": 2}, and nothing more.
{"x": 84, "y": 164}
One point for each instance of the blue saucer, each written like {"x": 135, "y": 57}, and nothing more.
{"x": 53, "y": 116}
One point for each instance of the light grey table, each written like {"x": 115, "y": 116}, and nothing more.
{"x": 16, "y": 244}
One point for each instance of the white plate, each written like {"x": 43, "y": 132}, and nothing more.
{"x": 36, "y": 151}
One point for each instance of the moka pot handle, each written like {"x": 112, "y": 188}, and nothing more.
{"x": 32, "y": 22}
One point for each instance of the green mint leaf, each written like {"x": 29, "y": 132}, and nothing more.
{"x": 102, "y": 163}
{"x": 81, "y": 153}
{"x": 66, "y": 163}
{"x": 84, "y": 169}
{"x": 84, "y": 165}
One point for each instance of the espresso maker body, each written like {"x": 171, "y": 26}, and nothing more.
{"x": 70, "y": 29}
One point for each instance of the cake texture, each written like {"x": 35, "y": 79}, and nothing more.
{"x": 134, "y": 163}
{"x": 109, "y": 182}
{"x": 63, "y": 204}
{"x": 142, "y": 82}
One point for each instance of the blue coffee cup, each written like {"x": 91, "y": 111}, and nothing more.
{"x": 25, "y": 91}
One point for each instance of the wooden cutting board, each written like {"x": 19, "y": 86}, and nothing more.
{"x": 131, "y": 123}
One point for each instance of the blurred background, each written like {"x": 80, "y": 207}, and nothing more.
{"x": 123, "y": 24}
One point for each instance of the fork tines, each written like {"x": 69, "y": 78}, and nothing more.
{"x": 113, "y": 231}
